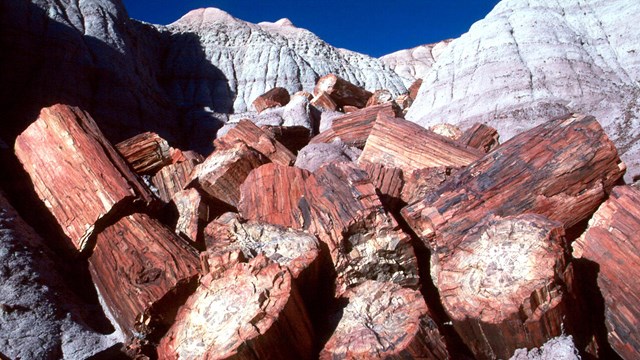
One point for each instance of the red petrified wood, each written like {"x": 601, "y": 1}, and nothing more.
{"x": 273, "y": 98}
{"x": 259, "y": 140}
{"x": 192, "y": 212}
{"x": 613, "y": 242}
{"x": 222, "y": 173}
{"x": 385, "y": 321}
{"x": 399, "y": 143}
{"x": 142, "y": 270}
{"x": 75, "y": 171}
{"x": 354, "y": 128}
{"x": 502, "y": 284}
{"x": 250, "y": 311}
{"x": 146, "y": 152}
{"x": 342, "y": 91}
{"x": 338, "y": 204}
{"x": 562, "y": 169}
{"x": 480, "y": 136}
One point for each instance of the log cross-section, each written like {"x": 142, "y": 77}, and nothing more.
{"x": 143, "y": 271}
{"x": 385, "y": 321}
{"x": 503, "y": 284}
{"x": 75, "y": 171}
{"x": 251, "y": 311}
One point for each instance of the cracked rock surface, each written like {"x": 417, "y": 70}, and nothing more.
{"x": 39, "y": 317}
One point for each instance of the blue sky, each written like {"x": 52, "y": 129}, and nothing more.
{"x": 372, "y": 27}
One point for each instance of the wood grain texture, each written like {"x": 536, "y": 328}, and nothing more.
{"x": 173, "y": 178}
{"x": 222, "y": 172}
{"x": 354, "y": 128}
{"x": 562, "y": 169}
{"x": 385, "y": 321}
{"x": 146, "y": 153}
{"x": 76, "y": 172}
{"x": 259, "y": 140}
{"x": 141, "y": 270}
{"x": 612, "y": 241}
{"x": 399, "y": 143}
{"x": 251, "y": 311}
{"x": 503, "y": 284}
{"x": 341, "y": 91}
{"x": 481, "y": 136}
{"x": 339, "y": 204}
{"x": 322, "y": 100}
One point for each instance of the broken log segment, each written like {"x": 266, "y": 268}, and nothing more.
{"x": 143, "y": 272}
{"x": 173, "y": 178}
{"x": 399, "y": 143}
{"x": 562, "y": 169}
{"x": 193, "y": 212}
{"x": 275, "y": 97}
{"x": 257, "y": 139}
{"x": 293, "y": 249}
{"x": 612, "y": 241}
{"x": 354, "y": 128}
{"x": 251, "y": 311}
{"x": 339, "y": 205}
{"x": 414, "y": 89}
{"x": 449, "y": 131}
{"x": 503, "y": 284}
{"x": 76, "y": 172}
{"x": 481, "y": 136}
{"x": 389, "y": 183}
{"x": 385, "y": 321}
{"x": 323, "y": 101}
{"x": 146, "y": 152}
{"x": 222, "y": 172}
{"x": 341, "y": 91}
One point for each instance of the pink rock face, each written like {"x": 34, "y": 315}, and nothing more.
{"x": 415, "y": 63}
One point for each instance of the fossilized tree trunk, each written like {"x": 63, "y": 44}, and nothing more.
{"x": 143, "y": 271}
{"x": 76, "y": 172}
{"x": 612, "y": 241}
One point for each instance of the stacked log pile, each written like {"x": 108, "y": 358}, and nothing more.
{"x": 251, "y": 257}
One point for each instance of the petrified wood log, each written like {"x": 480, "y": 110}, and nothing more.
{"x": 354, "y": 128}
{"x": 612, "y": 241}
{"x": 143, "y": 271}
{"x": 146, "y": 152}
{"x": 222, "y": 173}
{"x": 75, "y": 171}
{"x": 419, "y": 183}
{"x": 385, "y": 321}
{"x": 340, "y": 205}
{"x": 322, "y": 100}
{"x": 389, "y": 181}
{"x": 275, "y": 97}
{"x": 293, "y": 249}
{"x": 399, "y": 143}
{"x": 481, "y": 136}
{"x": 380, "y": 97}
{"x": 341, "y": 91}
{"x": 193, "y": 211}
{"x": 259, "y": 140}
{"x": 562, "y": 169}
{"x": 347, "y": 109}
{"x": 414, "y": 88}
{"x": 503, "y": 284}
{"x": 250, "y": 311}
{"x": 173, "y": 178}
